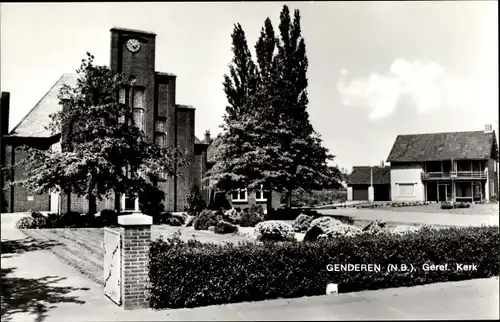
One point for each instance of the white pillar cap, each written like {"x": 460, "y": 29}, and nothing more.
{"x": 136, "y": 219}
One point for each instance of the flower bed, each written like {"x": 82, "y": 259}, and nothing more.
{"x": 195, "y": 274}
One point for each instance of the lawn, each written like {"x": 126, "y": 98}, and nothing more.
{"x": 475, "y": 209}
{"x": 82, "y": 247}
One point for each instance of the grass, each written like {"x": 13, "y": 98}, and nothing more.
{"x": 82, "y": 249}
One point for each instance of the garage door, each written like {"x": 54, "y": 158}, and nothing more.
{"x": 382, "y": 192}
{"x": 359, "y": 193}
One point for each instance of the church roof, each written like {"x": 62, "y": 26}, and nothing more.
{"x": 35, "y": 123}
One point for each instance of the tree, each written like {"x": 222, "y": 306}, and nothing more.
{"x": 195, "y": 201}
{"x": 270, "y": 141}
{"x": 103, "y": 151}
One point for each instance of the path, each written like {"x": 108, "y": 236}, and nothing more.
{"x": 41, "y": 288}
{"x": 416, "y": 217}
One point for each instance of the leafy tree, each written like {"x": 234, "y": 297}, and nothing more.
{"x": 267, "y": 137}
{"x": 103, "y": 151}
{"x": 195, "y": 201}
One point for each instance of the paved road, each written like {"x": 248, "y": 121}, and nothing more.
{"x": 45, "y": 289}
{"x": 416, "y": 217}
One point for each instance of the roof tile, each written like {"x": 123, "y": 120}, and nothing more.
{"x": 35, "y": 122}
{"x": 471, "y": 145}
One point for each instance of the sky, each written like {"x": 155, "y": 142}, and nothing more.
{"x": 376, "y": 69}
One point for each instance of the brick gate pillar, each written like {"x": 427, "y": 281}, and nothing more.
{"x": 136, "y": 237}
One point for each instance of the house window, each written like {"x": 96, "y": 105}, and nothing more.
{"x": 138, "y": 108}
{"x": 260, "y": 194}
{"x": 406, "y": 189}
{"x": 160, "y": 126}
{"x": 160, "y": 139}
{"x": 121, "y": 96}
{"x": 239, "y": 195}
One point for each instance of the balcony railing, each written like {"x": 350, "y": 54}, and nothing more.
{"x": 478, "y": 175}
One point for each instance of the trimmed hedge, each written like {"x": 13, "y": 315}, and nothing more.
{"x": 449, "y": 205}
{"x": 195, "y": 274}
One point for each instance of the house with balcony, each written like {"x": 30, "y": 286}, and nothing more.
{"x": 452, "y": 166}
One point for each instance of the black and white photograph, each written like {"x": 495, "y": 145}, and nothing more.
{"x": 249, "y": 160}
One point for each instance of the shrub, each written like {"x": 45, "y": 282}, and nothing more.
{"x": 315, "y": 197}
{"x": 283, "y": 214}
{"x": 195, "y": 202}
{"x": 403, "y": 229}
{"x": 320, "y": 226}
{"x": 173, "y": 221}
{"x": 151, "y": 201}
{"x": 341, "y": 230}
{"x": 182, "y": 217}
{"x": 229, "y": 273}
{"x": 252, "y": 217}
{"x": 232, "y": 216}
{"x": 108, "y": 217}
{"x": 35, "y": 215}
{"x": 25, "y": 223}
{"x": 274, "y": 230}
{"x": 52, "y": 220}
{"x": 206, "y": 219}
{"x": 446, "y": 205}
{"x": 302, "y": 222}
{"x": 219, "y": 202}
{"x": 223, "y": 227}
{"x": 375, "y": 227}
{"x": 71, "y": 219}
{"x": 32, "y": 222}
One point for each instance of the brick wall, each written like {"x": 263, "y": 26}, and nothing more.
{"x": 492, "y": 178}
{"x": 81, "y": 204}
{"x": 134, "y": 266}
{"x": 25, "y": 200}
{"x": 185, "y": 142}
{"x": 166, "y": 108}
{"x": 6, "y": 191}
{"x": 251, "y": 199}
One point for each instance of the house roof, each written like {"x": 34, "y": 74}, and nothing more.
{"x": 471, "y": 145}
{"x": 165, "y": 74}
{"x": 361, "y": 175}
{"x": 198, "y": 141}
{"x": 35, "y": 122}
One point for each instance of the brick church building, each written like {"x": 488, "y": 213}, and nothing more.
{"x": 149, "y": 93}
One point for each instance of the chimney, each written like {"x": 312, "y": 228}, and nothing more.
{"x": 488, "y": 128}
{"x": 207, "y": 137}
{"x": 4, "y": 113}
{"x": 382, "y": 163}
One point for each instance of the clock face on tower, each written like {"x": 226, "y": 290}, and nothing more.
{"x": 133, "y": 45}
